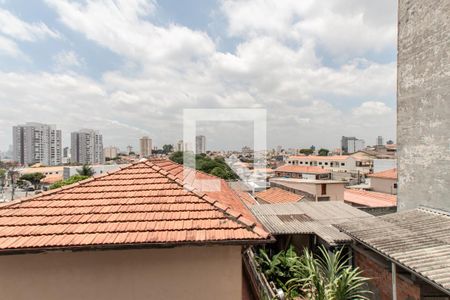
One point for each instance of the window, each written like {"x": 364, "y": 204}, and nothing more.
{"x": 320, "y": 163}
{"x": 342, "y": 164}
{"x": 395, "y": 185}
{"x": 326, "y": 164}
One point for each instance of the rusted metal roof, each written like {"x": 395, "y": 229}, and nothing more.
{"x": 418, "y": 240}
{"x": 308, "y": 218}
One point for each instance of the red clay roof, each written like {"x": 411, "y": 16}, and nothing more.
{"x": 50, "y": 179}
{"x": 139, "y": 205}
{"x": 277, "y": 195}
{"x": 369, "y": 198}
{"x": 301, "y": 169}
{"x": 388, "y": 174}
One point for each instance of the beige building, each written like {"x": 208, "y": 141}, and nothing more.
{"x": 111, "y": 152}
{"x": 384, "y": 182}
{"x": 145, "y": 146}
{"x": 313, "y": 190}
{"x": 140, "y": 232}
{"x": 213, "y": 272}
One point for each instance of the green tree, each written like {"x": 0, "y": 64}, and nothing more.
{"x": 33, "y": 178}
{"x": 70, "y": 180}
{"x": 85, "y": 170}
{"x": 323, "y": 152}
{"x": 167, "y": 148}
{"x": 307, "y": 151}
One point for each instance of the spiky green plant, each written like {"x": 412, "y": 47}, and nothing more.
{"x": 327, "y": 276}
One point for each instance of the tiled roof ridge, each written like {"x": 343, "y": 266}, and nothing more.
{"x": 226, "y": 210}
{"x": 436, "y": 211}
{"x": 66, "y": 187}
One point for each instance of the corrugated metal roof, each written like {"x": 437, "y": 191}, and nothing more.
{"x": 322, "y": 215}
{"x": 418, "y": 240}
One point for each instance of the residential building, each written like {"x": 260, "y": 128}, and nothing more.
{"x": 69, "y": 171}
{"x": 312, "y": 189}
{"x": 276, "y": 195}
{"x": 384, "y": 181}
{"x": 111, "y": 152}
{"x": 129, "y": 150}
{"x": 37, "y": 143}
{"x": 384, "y": 164}
{"x": 87, "y": 147}
{"x": 145, "y": 144}
{"x": 405, "y": 254}
{"x": 165, "y": 239}
{"x": 351, "y": 144}
{"x": 423, "y": 91}
{"x": 200, "y": 144}
{"x": 337, "y": 162}
{"x": 379, "y": 141}
{"x": 66, "y": 152}
{"x": 305, "y": 172}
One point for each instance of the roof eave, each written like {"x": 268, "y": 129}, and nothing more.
{"x": 271, "y": 239}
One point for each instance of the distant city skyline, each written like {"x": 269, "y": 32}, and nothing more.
{"x": 61, "y": 62}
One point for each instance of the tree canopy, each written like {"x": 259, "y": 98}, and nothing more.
{"x": 85, "y": 170}
{"x": 33, "y": 178}
{"x": 323, "y": 152}
{"x": 214, "y": 166}
{"x": 307, "y": 151}
{"x": 70, "y": 180}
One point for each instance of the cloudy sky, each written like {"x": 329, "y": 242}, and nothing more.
{"x": 128, "y": 68}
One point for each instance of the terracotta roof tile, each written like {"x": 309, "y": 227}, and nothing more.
{"x": 277, "y": 195}
{"x": 369, "y": 198}
{"x": 387, "y": 174}
{"x": 139, "y": 204}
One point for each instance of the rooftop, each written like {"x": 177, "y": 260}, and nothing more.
{"x": 141, "y": 205}
{"x": 308, "y": 181}
{"x": 418, "y": 240}
{"x": 277, "y": 195}
{"x": 388, "y": 174}
{"x": 317, "y": 157}
{"x": 308, "y": 218}
{"x": 302, "y": 169}
{"x": 369, "y": 198}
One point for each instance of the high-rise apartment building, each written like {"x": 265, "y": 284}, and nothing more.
{"x": 111, "y": 152}
{"x": 351, "y": 144}
{"x": 145, "y": 146}
{"x": 200, "y": 144}
{"x": 37, "y": 143}
{"x": 379, "y": 140}
{"x": 87, "y": 147}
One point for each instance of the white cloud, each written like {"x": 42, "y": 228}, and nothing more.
{"x": 9, "y": 47}
{"x": 276, "y": 66}
{"x": 120, "y": 26}
{"x": 17, "y": 29}
{"x": 372, "y": 108}
{"x": 342, "y": 27}
{"x": 68, "y": 59}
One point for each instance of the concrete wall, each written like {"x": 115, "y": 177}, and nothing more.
{"x": 383, "y": 185}
{"x": 178, "y": 273}
{"x": 424, "y": 103}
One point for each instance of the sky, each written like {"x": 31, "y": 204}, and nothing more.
{"x": 128, "y": 68}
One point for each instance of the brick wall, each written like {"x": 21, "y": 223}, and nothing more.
{"x": 381, "y": 280}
